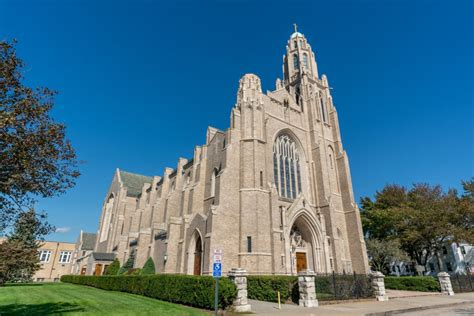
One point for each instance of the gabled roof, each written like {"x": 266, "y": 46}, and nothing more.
{"x": 103, "y": 256}
{"x": 88, "y": 241}
{"x": 134, "y": 182}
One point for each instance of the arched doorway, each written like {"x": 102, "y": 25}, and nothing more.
{"x": 195, "y": 254}
{"x": 305, "y": 243}
{"x": 301, "y": 246}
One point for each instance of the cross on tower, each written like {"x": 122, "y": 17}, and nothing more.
{"x": 296, "y": 27}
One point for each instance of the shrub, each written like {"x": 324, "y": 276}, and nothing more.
{"x": 265, "y": 288}
{"x": 126, "y": 266}
{"x": 197, "y": 291}
{"x": 148, "y": 268}
{"x": 113, "y": 268}
{"x": 412, "y": 283}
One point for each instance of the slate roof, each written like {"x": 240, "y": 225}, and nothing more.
{"x": 134, "y": 182}
{"x": 88, "y": 241}
{"x": 103, "y": 256}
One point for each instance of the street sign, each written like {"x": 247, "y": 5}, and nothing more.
{"x": 217, "y": 269}
{"x": 217, "y": 258}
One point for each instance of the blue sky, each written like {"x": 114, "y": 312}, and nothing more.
{"x": 140, "y": 82}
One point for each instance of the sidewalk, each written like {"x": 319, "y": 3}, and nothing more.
{"x": 373, "y": 308}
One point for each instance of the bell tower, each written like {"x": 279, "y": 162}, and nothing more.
{"x": 298, "y": 62}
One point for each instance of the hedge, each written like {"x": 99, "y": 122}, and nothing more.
{"x": 413, "y": 283}
{"x": 265, "y": 288}
{"x": 197, "y": 291}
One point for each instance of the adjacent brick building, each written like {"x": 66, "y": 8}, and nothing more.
{"x": 55, "y": 259}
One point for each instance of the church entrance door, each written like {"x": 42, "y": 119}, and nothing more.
{"x": 300, "y": 261}
{"x": 198, "y": 257}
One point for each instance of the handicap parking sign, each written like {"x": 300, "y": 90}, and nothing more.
{"x": 217, "y": 270}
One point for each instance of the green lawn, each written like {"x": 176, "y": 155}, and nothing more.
{"x": 70, "y": 299}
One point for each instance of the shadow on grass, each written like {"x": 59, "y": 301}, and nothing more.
{"x": 39, "y": 309}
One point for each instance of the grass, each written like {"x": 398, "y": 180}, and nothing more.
{"x": 70, "y": 299}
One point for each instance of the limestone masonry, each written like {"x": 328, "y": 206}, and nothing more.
{"x": 273, "y": 191}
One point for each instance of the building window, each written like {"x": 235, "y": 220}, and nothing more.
{"x": 286, "y": 164}
{"x": 463, "y": 250}
{"x": 107, "y": 219}
{"x": 44, "y": 255}
{"x": 173, "y": 186}
{"x": 261, "y": 179}
{"x": 249, "y": 243}
{"x": 295, "y": 62}
{"x": 432, "y": 268}
{"x": 323, "y": 107}
{"x": 64, "y": 257}
{"x": 445, "y": 250}
{"x": 449, "y": 267}
{"x": 305, "y": 61}
{"x": 213, "y": 182}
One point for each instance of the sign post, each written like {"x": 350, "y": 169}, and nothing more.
{"x": 217, "y": 273}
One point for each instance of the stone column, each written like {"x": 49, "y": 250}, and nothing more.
{"x": 378, "y": 284}
{"x": 307, "y": 288}
{"x": 239, "y": 277}
{"x": 445, "y": 283}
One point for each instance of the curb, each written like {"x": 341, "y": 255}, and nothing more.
{"x": 415, "y": 309}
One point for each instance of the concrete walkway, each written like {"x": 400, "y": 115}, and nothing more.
{"x": 398, "y": 305}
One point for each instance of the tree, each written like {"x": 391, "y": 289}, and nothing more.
{"x": 128, "y": 265}
{"x": 36, "y": 158}
{"x": 30, "y": 229}
{"x": 382, "y": 253}
{"x": 113, "y": 268}
{"x": 17, "y": 262}
{"x": 19, "y": 253}
{"x": 422, "y": 220}
{"x": 149, "y": 267}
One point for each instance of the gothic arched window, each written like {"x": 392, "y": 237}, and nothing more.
{"x": 323, "y": 107}
{"x": 305, "y": 61}
{"x": 286, "y": 167}
{"x": 107, "y": 219}
{"x": 213, "y": 182}
{"x": 295, "y": 62}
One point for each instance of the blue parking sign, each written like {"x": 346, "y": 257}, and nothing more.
{"x": 217, "y": 269}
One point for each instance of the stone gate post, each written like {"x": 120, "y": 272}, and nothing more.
{"x": 378, "y": 284}
{"x": 307, "y": 288}
{"x": 239, "y": 277}
{"x": 445, "y": 283}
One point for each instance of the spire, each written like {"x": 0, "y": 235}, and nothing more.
{"x": 296, "y": 27}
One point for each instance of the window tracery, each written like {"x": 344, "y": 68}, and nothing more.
{"x": 286, "y": 167}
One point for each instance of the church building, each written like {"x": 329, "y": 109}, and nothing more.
{"x": 273, "y": 191}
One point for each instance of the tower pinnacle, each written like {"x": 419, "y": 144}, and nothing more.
{"x": 296, "y": 27}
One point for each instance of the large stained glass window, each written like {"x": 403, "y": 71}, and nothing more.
{"x": 286, "y": 167}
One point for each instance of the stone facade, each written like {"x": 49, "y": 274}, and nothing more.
{"x": 273, "y": 191}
